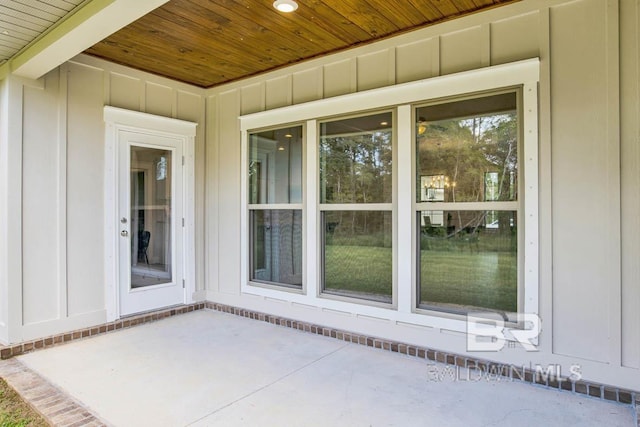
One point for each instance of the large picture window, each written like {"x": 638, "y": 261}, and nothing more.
{"x": 415, "y": 203}
{"x": 356, "y": 195}
{"x": 275, "y": 206}
{"x": 467, "y": 204}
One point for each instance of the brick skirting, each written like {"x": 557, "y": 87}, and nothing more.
{"x": 605, "y": 392}
{"x": 56, "y": 406}
{"x": 492, "y": 369}
{"x": 9, "y": 351}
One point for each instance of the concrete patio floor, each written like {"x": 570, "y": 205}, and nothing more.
{"x": 208, "y": 368}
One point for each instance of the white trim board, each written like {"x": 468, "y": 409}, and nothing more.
{"x": 489, "y": 78}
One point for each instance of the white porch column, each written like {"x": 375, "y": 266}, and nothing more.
{"x": 10, "y": 210}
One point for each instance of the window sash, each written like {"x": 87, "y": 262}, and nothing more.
{"x": 515, "y": 206}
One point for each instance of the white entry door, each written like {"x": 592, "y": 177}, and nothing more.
{"x": 151, "y": 222}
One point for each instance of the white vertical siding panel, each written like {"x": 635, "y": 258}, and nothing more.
{"x": 339, "y": 78}
{"x": 159, "y": 99}
{"x": 630, "y": 149}
{"x": 191, "y": 107}
{"x": 585, "y": 232}
{"x": 4, "y": 291}
{"x": 515, "y": 38}
{"x": 62, "y": 188}
{"x": 278, "y": 92}
{"x": 461, "y": 50}
{"x": 252, "y": 98}
{"x": 376, "y": 69}
{"x": 85, "y": 195}
{"x": 307, "y": 85}
{"x": 414, "y": 61}
{"x": 125, "y": 92}
{"x": 40, "y": 171}
{"x": 545, "y": 287}
{"x": 212, "y": 223}
{"x": 612, "y": 244}
{"x": 229, "y": 203}
{"x": 11, "y": 208}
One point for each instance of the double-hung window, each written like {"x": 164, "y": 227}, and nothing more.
{"x": 275, "y": 206}
{"x": 356, "y": 204}
{"x": 467, "y": 203}
{"x": 420, "y": 200}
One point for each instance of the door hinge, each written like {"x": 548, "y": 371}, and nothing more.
{"x": 183, "y": 284}
{"x": 183, "y": 222}
{"x": 182, "y": 160}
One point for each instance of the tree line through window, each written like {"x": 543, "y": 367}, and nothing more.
{"x": 466, "y": 158}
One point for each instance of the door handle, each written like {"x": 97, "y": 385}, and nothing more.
{"x": 124, "y": 233}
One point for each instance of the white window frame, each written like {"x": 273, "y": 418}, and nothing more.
{"x": 276, "y": 206}
{"x": 515, "y": 206}
{"x": 524, "y": 74}
{"x": 389, "y": 207}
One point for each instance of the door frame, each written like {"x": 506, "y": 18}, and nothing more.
{"x": 119, "y": 120}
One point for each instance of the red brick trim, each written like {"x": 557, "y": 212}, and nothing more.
{"x": 599, "y": 391}
{"x": 595, "y": 390}
{"x": 9, "y": 351}
{"x": 57, "y": 407}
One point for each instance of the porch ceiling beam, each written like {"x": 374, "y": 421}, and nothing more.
{"x": 93, "y": 22}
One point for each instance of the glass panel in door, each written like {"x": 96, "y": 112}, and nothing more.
{"x": 151, "y": 193}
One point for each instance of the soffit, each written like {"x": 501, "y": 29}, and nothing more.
{"x": 23, "y": 21}
{"x": 212, "y": 42}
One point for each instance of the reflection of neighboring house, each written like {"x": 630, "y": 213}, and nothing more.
{"x": 432, "y": 190}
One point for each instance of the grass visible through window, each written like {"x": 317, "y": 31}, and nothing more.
{"x": 469, "y": 280}
{"x": 461, "y": 276}
{"x": 359, "y": 270}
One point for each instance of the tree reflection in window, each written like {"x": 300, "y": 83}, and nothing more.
{"x": 466, "y": 162}
{"x": 463, "y": 150}
{"x": 356, "y": 192}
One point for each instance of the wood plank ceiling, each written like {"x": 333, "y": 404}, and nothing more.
{"x": 211, "y": 42}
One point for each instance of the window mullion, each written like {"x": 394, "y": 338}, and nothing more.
{"x": 468, "y": 206}
{"x": 310, "y": 200}
{"x": 404, "y": 210}
{"x": 276, "y": 206}
{"x": 357, "y": 207}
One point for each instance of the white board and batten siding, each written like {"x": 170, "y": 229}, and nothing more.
{"x": 589, "y": 175}
{"x": 589, "y": 169}
{"x": 62, "y": 153}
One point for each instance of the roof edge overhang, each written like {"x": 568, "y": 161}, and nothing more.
{"x": 89, "y": 24}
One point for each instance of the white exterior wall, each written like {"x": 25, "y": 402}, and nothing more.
{"x": 589, "y": 203}
{"x": 51, "y": 245}
{"x": 56, "y": 281}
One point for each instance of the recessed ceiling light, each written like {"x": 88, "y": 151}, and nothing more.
{"x": 285, "y": 5}
{"x": 384, "y": 123}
